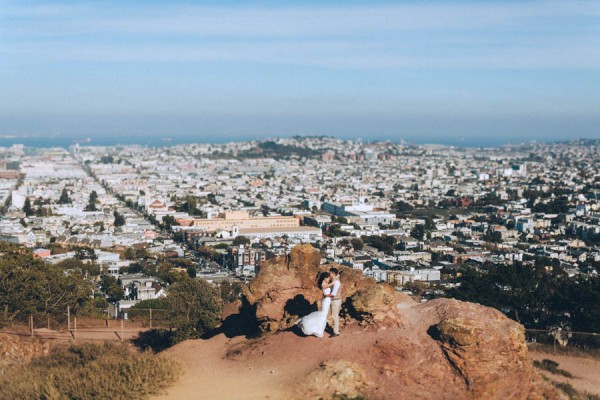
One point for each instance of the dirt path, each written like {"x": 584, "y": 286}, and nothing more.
{"x": 585, "y": 371}
{"x": 208, "y": 376}
{"x": 87, "y": 334}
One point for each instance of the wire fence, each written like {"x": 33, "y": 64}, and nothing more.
{"x": 564, "y": 341}
{"x": 87, "y": 323}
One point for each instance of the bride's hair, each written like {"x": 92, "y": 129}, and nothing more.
{"x": 322, "y": 277}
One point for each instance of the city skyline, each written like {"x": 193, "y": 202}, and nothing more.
{"x": 446, "y": 72}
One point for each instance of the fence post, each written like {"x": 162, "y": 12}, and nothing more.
{"x": 31, "y": 324}
{"x": 48, "y": 322}
{"x": 69, "y": 318}
{"x": 151, "y": 318}
{"x": 122, "y": 323}
{"x": 75, "y": 333}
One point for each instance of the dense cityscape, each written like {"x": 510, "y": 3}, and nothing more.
{"x": 131, "y": 218}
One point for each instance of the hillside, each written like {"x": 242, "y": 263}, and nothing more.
{"x": 390, "y": 347}
{"x": 402, "y": 363}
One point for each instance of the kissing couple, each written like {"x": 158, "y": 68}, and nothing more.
{"x": 315, "y": 322}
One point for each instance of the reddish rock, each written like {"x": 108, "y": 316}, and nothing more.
{"x": 285, "y": 288}
{"x": 440, "y": 349}
{"x": 352, "y": 280}
{"x": 376, "y": 305}
{"x": 486, "y": 349}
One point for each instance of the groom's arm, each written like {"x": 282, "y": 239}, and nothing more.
{"x": 334, "y": 290}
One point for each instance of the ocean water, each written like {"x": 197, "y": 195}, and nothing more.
{"x": 157, "y": 141}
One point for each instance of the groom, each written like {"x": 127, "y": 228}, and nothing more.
{"x": 336, "y": 300}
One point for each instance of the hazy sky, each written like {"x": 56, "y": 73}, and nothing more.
{"x": 436, "y": 71}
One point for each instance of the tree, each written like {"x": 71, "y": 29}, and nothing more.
{"x": 74, "y": 264}
{"x": 212, "y": 199}
{"x": 492, "y": 236}
{"x": 241, "y": 240}
{"x": 381, "y": 243}
{"x": 64, "y": 197}
{"x": 340, "y": 220}
{"x": 91, "y": 206}
{"x": 357, "y": 243}
{"x": 140, "y": 310}
{"x": 30, "y": 286}
{"x": 402, "y": 206}
{"x": 169, "y": 222}
{"x": 135, "y": 267}
{"x": 418, "y": 232}
{"x": 534, "y": 296}
{"x": 85, "y": 253}
{"x": 230, "y": 291}
{"x": 430, "y": 224}
{"x": 27, "y": 208}
{"x": 190, "y": 206}
{"x": 194, "y": 307}
{"x": 111, "y": 288}
{"x": 119, "y": 219}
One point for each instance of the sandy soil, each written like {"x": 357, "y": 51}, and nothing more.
{"x": 272, "y": 367}
{"x": 259, "y": 374}
{"x": 585, "y": 371}
{"x": 209, "y": 376}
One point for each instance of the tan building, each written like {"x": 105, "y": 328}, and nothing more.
{"x": 242, "y": 220}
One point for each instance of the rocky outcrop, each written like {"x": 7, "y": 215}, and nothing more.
{"x": 336, "y": 380}
{"x": 440, "y": 349}
{"x": 376, "y": 305}
{"x": 485, "y": 348}
{"x": 391, "y": 347}
{"x": 286, "y": 288}
{"x": 353, "y": 280}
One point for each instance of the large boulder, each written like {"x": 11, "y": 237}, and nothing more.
{"x": 352, "y": 280}
{"x": 376, "y": 305}
{"x": 485, "y": 348}
{"x": 285, "y": 288}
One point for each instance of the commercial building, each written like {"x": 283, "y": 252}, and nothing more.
{"x": 242, "y": 220}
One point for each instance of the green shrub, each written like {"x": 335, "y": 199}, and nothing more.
{"x": 194, "y": 308}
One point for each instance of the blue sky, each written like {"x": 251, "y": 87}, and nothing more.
{"x": 420, "y": 71}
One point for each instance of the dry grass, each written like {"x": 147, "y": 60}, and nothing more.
{"x": 574, "y": 394}
{"x": 90, "y": 371}
{"x": 565, "y": 351}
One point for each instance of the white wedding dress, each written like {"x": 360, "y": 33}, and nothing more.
{"x": 315, "y": 322}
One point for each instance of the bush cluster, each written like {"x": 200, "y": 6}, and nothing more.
{"x": 90, "y": 371}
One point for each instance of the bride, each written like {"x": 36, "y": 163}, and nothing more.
{"x": 315, "y": 322}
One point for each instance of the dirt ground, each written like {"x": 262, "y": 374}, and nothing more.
{"x": 585, "y": 371}
{"x": 209, "y": 376}
{"x": 267, "y": 370}
{"x": 83, "y": 334}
